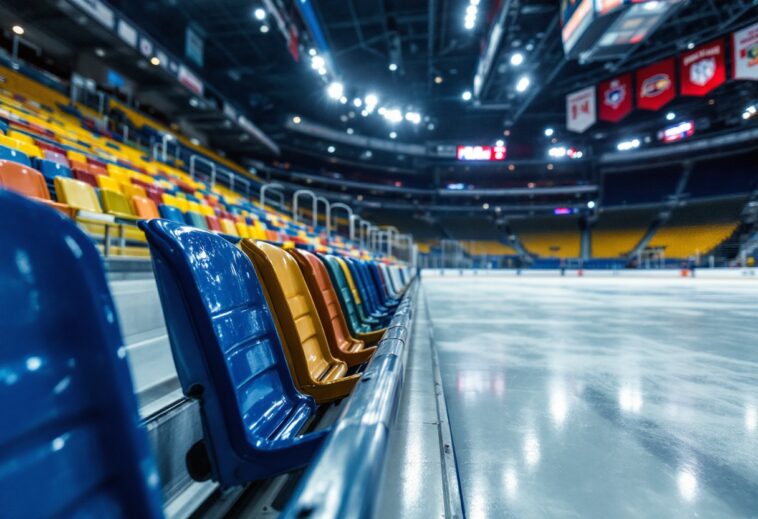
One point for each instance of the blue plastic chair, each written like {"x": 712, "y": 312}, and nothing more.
{"x": 366, "y": 296}
{"x": 228, "y": 356}
{"x": 71, "y": 443}
{"x": 12, "y": 155}
{"x": 171, "y": 213}
{"x": 50, "y": 170}
{"x": 370, "y": 288}
{"x": 381, "y": 289}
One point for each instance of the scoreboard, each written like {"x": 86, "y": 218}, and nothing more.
{"x": 482, "y": 153}
{"x": 594, "y": 30}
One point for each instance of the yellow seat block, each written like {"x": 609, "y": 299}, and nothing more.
{"x": 109, "y": 183}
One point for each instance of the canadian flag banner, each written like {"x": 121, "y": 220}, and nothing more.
{"x": 615, "y": 98}
{"x": 655, "y": 85}
{"x": 746, "y": 53}
{"x": 702, "y": 69}
{"x": 581, "y": 110}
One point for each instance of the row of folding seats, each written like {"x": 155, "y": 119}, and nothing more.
{"x": 259, "y": 336}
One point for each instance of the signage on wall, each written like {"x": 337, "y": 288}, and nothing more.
{"x": 194, "y": 46}
{"x": 486, "y": 153}
{"x": 655, "y": 85}
{"x": 581, "y": 110}
{"x": 745, "y": 45}
{"x": 702, "y": 69}
{"x": 615, "y": 98}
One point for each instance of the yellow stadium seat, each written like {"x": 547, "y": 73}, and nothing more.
{"x": 228, "y": 227}
{"x": 106, "y": 182}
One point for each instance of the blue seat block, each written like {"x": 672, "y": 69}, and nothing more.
{"x": 14, "y": 156}
{"x": 228, "y": 355}
{"x": 71, "y": 441}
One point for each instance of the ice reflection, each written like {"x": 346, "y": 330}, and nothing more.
{"x": 558, "y": 403}
{"x": 687, "y": 483}
{"x": 480, "y": 382}
{"x": 531, "y": 449}
{"x": 751, "y": 418}
{"x": 630, "y": 398}
{"x": 511, "y": 483}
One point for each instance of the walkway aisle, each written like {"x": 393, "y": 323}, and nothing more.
{"x": 600, "y": 398}
{"x": 412, "y": 486}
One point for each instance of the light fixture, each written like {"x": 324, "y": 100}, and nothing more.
{"x": 312, "y": 52}
{"x": 628, "y": 145}
{"x": 195, "y": 141}
{"x": 670, "y": 116}
{"x": 18, "y": 30}
{"x": 500, "y": 143}
{"x": 591, "y": 204}
{"x": 517, "y": 59}
{"x": 155, "y": 61}
{"x": 549, "y": 132}
{"x": 393, "y": 135}
{"x": 99, "y": 52}
{"x": 350, "y": 131}
{"x": 523, "y": 84}
{"x": 485, "y": 206}
{"x": 317, "y": 62}
{"x": 438, "y": 80}
{"x": 335, "y": 90}
{"x": 393, "y": 67}
{"x": 264, "y": 29}
{"x": 364, "y": 113}
{"x": 550, "y": 167}
{"x": 466, "y": 95}
{"x": 557, "y": 152}
{"x": 393, "y": 115}
{"x": 322, "y": 71}
{"x": 357, "y": 102}
{"x": 259, "y": 13}
{"x": 297, "y": 119}
{"x": 413, "y": 117}
{"x": 343, "y": 100}
{"x": 690, "y": 45}
{"x": 331, "y": 149}
{"x": 371, "y": 100}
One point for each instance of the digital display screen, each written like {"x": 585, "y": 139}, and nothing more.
{"x": 485, "y": 153}
{"x": 677, "y": 132}
{"x": 576, "y": 17}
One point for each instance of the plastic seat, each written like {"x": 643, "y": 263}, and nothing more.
{"x": 85, "y": 176}
{"x": 171, "y": 213}
{"x": 368, "y": 297}
{"x": 377, "y": 286}
{"x": 13, "y": 155}
{"x": 213, "y": 223}
{"x": 73, "y": 446}
{"x": 50, "y": 170}
{"x": 364, "y": 312}
{"x": 342, "y": 344}
{"x": 345, "y": 295}
{"x": 144, "y": 208}
{"x": 28, "y": 182}
{"x": 315, "y": 370}
{"x": 228, "y": 356}
{"x": 381, "y": 285}
{"x": 106, "y": 182}
{"x": 196, "y": 220}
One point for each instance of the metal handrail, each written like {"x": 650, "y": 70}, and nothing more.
{"x": 198, "y": 158}
{"x": 265, "y": 188}
{"x": 328, "y": 214}
{"x": 351, "y": 217}
{"x": 314, "y": 205}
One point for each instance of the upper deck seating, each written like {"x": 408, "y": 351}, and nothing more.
{"x": 28, "y": 182}
{"x": 71, "y": 441}
{"x": 315, "y": 369}
{"x": 228, "y": 355}
{"x": 341, "y": 343}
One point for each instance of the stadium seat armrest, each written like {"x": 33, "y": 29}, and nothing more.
{"x": 372, "y": 338}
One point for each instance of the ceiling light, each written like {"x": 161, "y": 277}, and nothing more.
{"x": 350, "y": 131}
{"x": 155, "y": 61}
{"x": 195, "y": 141}
{"x": 331, "y": 149}
{"x": 99, "y": 52}
{"x": 335, "y": 90}
{"x": 393, "y": 115}
{"x": 259, "y": 13}
{"x": 413, "y": 117}
{"x": 364, "y": 113}
{"x": 297, "y": 119}
{"x": 264, "y": 29}
{"x": 322, "y": 71}
{"x": 466, "y": 95}
{"x": 371, "y": 100}
{"x": 438, "y": 80}
{"x": 18, "y": 29}
{"x": 690, "y": 45}
{"x": 312, "y": 52}
{"x": 517, "y": 59}
{"x": 591, "y": 204}
{"x": 357, "y": 102}
{"x": 523, "y": 84}
{"x": 485, "y": 206}
{"x": 393, "y": 67}
{"x": 670, "y": 116}
{"x": 343, "y": 100}
{"x": 393, "y": 135}
{"x": 628, "y": 145}
{"x": 317, "y": 62}
{"x": 557, "y": 152}
{"x": 500, "y": 143}
{"x": 549, "y": 132}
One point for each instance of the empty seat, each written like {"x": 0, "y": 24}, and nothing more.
{"x": 144, "y": 208}
{"x": 316, "y": 371}
{"x": 50, "y": 170}
{"x": 228, "y": 356}
{"x": 13, "y": 155}
{"x": 28, "y": 182}
{"x": 72, "y": 441}
{"x": 196, "y": 220}
{"x": 363, "y": 310}
{"x": 345, "y": 295}
{"x": 171, "y": 213}
{"x": 342, "y": 344}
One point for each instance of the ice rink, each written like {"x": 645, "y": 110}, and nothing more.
{"x": 599, "y": 398}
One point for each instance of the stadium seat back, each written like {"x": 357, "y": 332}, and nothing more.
{"x": 73, "y": 446}
{"x": 23, "y": 180}
{"x": 13, "y": 155}
{"x": 297, "y": 320}
{"x": 171, "y": 213}
{"x": 50, "y": 170}
{"x": 77, "y": 194}
{"x": 228, "y": 355}
{"x": 145, "y": 208}
{"x": 196, "y": 220}
{"x": 344, "y": 294}
{"x": 106, "y": 182}
{"x": 116, "y": 203}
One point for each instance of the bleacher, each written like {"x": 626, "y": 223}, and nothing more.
{"x": 698, "y": 228}
{"x": 549, "y": 236}
{"x": 618, "y": 231}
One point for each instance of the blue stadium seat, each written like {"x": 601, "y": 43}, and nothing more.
{"x": 367, "y": 297}
{"x": 228, "y": 355}
{"x": 370, "y": 287}
{"x": 384, "y": 296}
{"x": 50, "y": 170}
{"x": 14, "y": 156}
{"x": 70, "y": 440}
{"x": 171, "y": 213}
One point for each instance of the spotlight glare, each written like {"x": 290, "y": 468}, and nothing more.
{"x": 260, "y": 13}
{"x": 517, "y": 59}
{"x": 549, "y": 132}
{"x": 393, "y": 67}
{"x": 466, "y": 95}
{"x": 335, "y": 90}
{"x": 18, "y": 30}
{"x": 523, "y": 84}
{"x": 670, "y": 116}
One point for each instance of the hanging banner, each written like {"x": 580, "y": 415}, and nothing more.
{"x": 581, "y": 110}
{"x": 615, "y": 98}
{"x": 655, "y": 85}
{"x": 745, "y": 45}
{"x": 194, "y": 46}
{"x": 702, "y": 69}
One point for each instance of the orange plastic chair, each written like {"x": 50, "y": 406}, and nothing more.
{"x": 315, "y": 370}
{"x": 145, "y": 208}
{"x": 28, "y": 182}
{"x": 342, "y": 344}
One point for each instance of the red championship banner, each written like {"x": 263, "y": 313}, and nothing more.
{"x": 655, "y": 85}
{"x": 702, "y": 69}
{"x": 745, "y": 45}
{"x": 615, "y": 98}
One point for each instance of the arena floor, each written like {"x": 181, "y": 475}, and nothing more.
{"x": 600, "y": 398}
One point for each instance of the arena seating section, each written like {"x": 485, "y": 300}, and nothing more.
{"x": 650, "y": 186}
{"x": 618, "y": 231}
{"x": 549, "y": 236}
{"x": 267, "y": 319}
{"x": 698, "y": 227}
